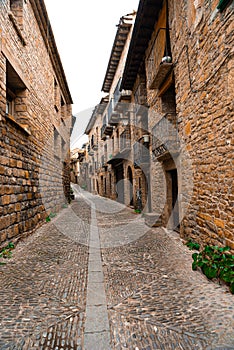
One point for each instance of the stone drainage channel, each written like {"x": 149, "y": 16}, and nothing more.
{"x": 97, "y": 329}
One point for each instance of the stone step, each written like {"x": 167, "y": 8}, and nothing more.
{"x": 153, "y": 219}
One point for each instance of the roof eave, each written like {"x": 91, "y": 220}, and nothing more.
{"x": 142, "y": 32}
{"x": 117, "y": 49}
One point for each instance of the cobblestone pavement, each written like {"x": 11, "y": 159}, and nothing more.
{"x": 154, "y": 300}
{"x": 43, "y": 287}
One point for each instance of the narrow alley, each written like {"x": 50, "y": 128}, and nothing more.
{"x": 97, "y": 278}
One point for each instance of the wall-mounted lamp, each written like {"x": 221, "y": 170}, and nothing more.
{"x": 166, "y": 59}
{"x": 125, "y": 121}
{"x": 146, "y": 138}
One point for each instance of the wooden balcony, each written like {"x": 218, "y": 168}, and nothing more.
{"x": 91, "y": 170}
{"x": 121, "y": 96}
{"x": 106, "y": 130}
{"x": 125, "y": 141}
{"x": 90, "y": 151}
{"x": 94, "y": 143}
{"x": 159, "y": 63}
{"x": 161, "y": 73}
{"x": 112, "y": 115}
{"x": 165, "y": 137}
{"x": 104, "y": 161}
{"x": 141, "y": 154}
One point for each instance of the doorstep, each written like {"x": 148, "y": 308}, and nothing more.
{"x": 153, "y": 219}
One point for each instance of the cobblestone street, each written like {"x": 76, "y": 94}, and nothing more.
{"x": 97, "y": 278}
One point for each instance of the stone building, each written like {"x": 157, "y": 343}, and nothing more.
{"x": 95, "y": 150}
{"x": 178, "y": 70}
{"x": 78, "y": 166}
{"x": 110, "y": 129}
{"x": 186, "y": 51}
{"x": 35, "y": 119}
{"x": 75, "y": 168}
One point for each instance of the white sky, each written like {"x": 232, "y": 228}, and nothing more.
{"x": 84, "y": 32}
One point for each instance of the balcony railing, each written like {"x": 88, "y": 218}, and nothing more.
{"x": 122, "y": 95}
{"x": 94, "y": 143}
{"x": 165, "y": 136}
{"x": 105, "y": 131}
{"x": 141, "y": 154}
{"x": 117, "y": 105}
{"x": 117, "y": 93}
{"x": 90, "y": 151}
{"x": 157, "y": 67}
{"x": 125, "y": 141}
{"x": 112, "y": 115}
{"x": 104, "y": 161}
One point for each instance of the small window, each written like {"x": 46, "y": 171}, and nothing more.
{"x": 63, "y": 107}
{"x": 10, "y": 98}
{"x": 57, "y": 144}
{"x": 56, "y": 93}
{"x": 62, "y": 102}
{"x": 16, "y": 7}
{"x": 15, "y": 94}
{"x": 64, "y": 151}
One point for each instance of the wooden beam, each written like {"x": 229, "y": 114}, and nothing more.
{"x": 165, "y": 86}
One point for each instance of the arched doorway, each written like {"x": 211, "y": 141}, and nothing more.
{"x": 119, "y": 175}
{"x": 97, "y": 187}
{"x": 110, "y": 185}
{"x": 102, "y": 186}
{"x": 130, "y": 186}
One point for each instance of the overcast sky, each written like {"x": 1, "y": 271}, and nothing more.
{"x": 84, "y": 32}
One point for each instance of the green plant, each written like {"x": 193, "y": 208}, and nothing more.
{"x": 6, "y": 252}
{"x": 50, "y": 216}
{"x": 216, "y": 262}
{"x": 192, "y": 245}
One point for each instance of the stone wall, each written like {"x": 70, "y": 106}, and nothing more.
{"x": 34, "y": 155}
{"x": 202, "y": 53}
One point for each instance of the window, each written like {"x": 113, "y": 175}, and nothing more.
{"x": 16, "y": 94}
{"x": 16, "y": 7}
{"x": 64, "y": 150}
{"x": 97, "y": 136}
{"x": 62, "y": 102}
{"x": 56, "y": 95}
{"x": 10, "y": 97}
{"x": 63, "y": 108}
{"x": 57, "y": 144}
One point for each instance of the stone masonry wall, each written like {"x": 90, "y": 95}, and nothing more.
{"x": 32, "y": 169}
{"x": 203, "y": 57}
{"x": 206, "y": 117}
